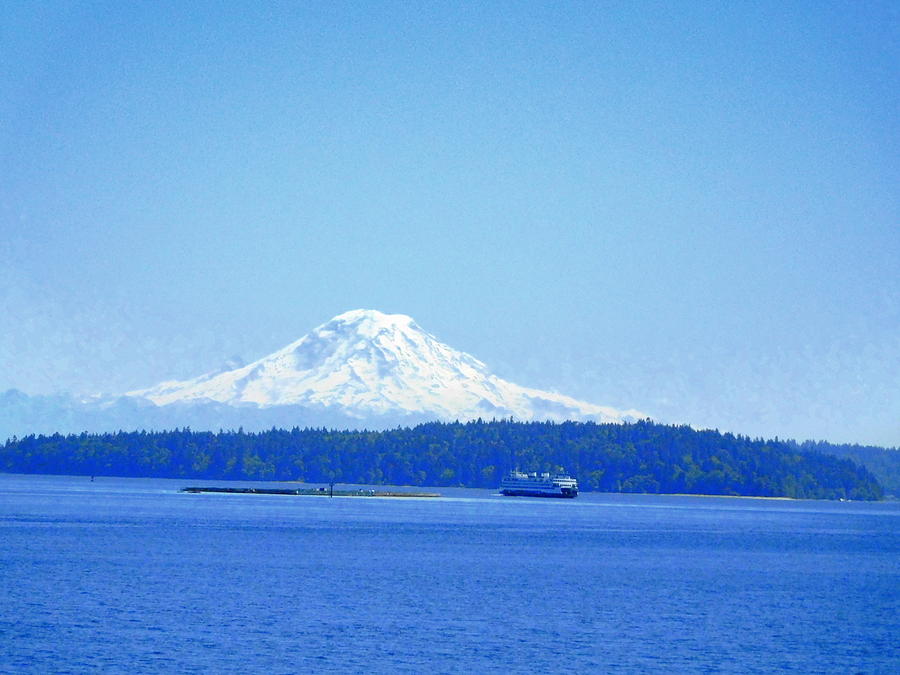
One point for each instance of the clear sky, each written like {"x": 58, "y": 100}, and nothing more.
{"x": 690, "y": 208}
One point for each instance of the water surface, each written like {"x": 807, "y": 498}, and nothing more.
{"x": 130, "y": 574}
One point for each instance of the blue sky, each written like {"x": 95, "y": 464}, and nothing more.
{"x": 689, "y": 208}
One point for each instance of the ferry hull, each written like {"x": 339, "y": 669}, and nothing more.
{"x": 536, "y": 493}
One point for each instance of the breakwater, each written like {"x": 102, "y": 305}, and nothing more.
{"x": 309, "y": 492}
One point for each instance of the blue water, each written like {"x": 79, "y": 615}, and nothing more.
{"x": 129, "y": 575}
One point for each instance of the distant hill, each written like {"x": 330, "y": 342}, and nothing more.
{"x": 630, "y": 457}
{"x": 884, "y": 463}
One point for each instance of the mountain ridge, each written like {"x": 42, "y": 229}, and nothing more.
{"x": 369, "y": 364}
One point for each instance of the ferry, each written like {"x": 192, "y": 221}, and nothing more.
{"x": 520, "y": 484}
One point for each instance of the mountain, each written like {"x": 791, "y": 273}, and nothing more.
{"x": 371, "y": 366}
{"x": 362, "y": 369}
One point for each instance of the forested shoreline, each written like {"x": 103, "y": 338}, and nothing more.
{"x": 883, "y": 463}
{"x": 638, "y": 457}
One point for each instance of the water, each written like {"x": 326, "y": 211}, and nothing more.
{"x": 130, "y": 575}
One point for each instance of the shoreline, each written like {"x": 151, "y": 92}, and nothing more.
{"x": 693, "y": 494}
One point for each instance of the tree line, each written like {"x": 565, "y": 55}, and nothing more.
{"x": 884, "y": 463}
{"x": 638, "y": 457}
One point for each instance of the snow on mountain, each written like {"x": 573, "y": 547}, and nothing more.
{"x": 368, "y": 364}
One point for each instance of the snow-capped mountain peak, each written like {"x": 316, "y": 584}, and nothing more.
{"x": 366, "y": 363}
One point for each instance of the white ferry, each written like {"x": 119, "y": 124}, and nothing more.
{"x": 520, "y": 484}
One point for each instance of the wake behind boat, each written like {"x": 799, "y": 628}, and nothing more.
{"x": 520, "y": 484}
